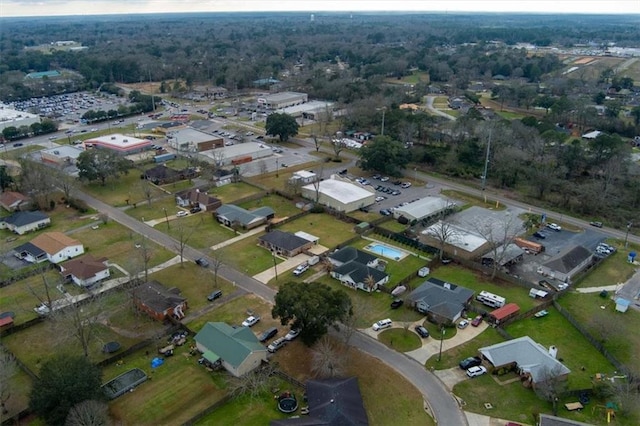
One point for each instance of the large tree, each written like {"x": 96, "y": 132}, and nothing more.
{"x": 312, "y": 307}
{"x": 100, "y": 164}
{"x": 384, "y": 155}
{"x": 282, "y": 125}
{"x": 63, "y": 382}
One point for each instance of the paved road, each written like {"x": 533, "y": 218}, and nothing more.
{"x": 436, "y": 111}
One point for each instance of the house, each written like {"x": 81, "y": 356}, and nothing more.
{"x": 529, "y": 358}
{"x": 284, "y": 243}
{"x": 302, "y": 177}
{"x": 231, "y": 215}
{"x": 159, "y": 302}
{"x": 332, "y": 402}
{"x": 197, "y": 198}
{"x": 85, "y": 270}
{"x": 502, "y": 314}
{"x": 443, "y": 302}
{"x": 340, "y": 194}
{"x": 351, "y": 254}
{"x": 567, "y": 264}
{"x": 237, "y": 349}
{"x": 55, "y": 247}
{"x": 12, "y": 201}
{"x": 360, "y": 276}
{"x": 23, "y": 222}
{"x": 592, "y": 135}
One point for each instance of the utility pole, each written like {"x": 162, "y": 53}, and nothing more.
{"x": 486, "y": 162}
{"x": 441, "y": 339}
{"x": 626, "y": 235}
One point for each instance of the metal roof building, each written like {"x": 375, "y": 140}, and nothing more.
{"x": 340, "y": 195}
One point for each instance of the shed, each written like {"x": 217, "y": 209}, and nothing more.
{"x": 502, "y": 314}
{"x": 622, "y": 304}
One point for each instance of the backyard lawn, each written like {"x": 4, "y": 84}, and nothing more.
{"x": 199, "y": 230}
{"x": 254, "y": 258}
{"x": 282, "y": 206}
{"x": 324, "y": 226}
{"x": 116, "y": 191}
{"x": 613, "y": 270}
{"x": 234, "y": 191}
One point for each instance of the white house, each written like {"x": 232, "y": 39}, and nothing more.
{"x": 85, "y": 270}
{"x": 57, "y": 246}
{"x": 23, "y": 222}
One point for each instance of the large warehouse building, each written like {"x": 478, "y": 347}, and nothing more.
{"x": 339, "y": 194}
{"x": 119, "y": 143}
{"x": 283, "y": 100}
{"x": 192, "y": 140}
{"x": 424, "y": 208}
{"x": 14, "y": 118}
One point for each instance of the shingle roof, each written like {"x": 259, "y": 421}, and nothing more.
{"x": 529, "y": 355}
{"x": 441, "y": 297}
{"x": 31, "y": 249}
{"x": 19, "y": 219}
{"x": 348, "y": 254}
{"x": 233, "y": 345}
{"x": 359, "y": 272}
{"x": 245, "y": 217}
{"x": 567, "y": 261}
{"x": 11, "y": 198}
{"x": 84, "y": 267}
{"x": 505, "y": 311}
{"x": 283, "y": 240}
{"x": 157, "y": 297}
{"x": 54, "y": 242}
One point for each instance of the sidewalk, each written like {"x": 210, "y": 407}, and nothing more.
{"x": 240, "y": 237}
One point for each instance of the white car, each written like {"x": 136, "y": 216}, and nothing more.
{"x": 382, "y": 324}
{"x": 292, "y": 334}
{"x": 406, "y": 185}
{"x": 463, "y": 324}
{"x": 181, "y": 213}
{"x": 301, "y": 269}
{"x": 250, "y": 321}
{"x": 554, "y": 226}
{"x": 476, "y": 371}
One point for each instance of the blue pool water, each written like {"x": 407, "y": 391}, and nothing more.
{"x": 386, "y": 251}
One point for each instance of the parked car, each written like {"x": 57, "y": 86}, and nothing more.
{"x": 385, "y": 212}
{"x": 181, "y": 213}
{"x": 202, "y": 262}
{"x": 343, "y": 172}
{"x": 301, "y": 269}
{"x": 467, "y": 363}
{"x": 214, "y": 295}
{"x": 463, "y": 324}
{"x": 195, "y": 209}
{"x": 250, "y": 321}
{"x": 397, "y": 303}
{"x": 376, "y": 177}
{"x": 476, "y": 371}
{"x": 596, "y": 224}
{"x": 554, "y": 226}
{"x": 292, "y": 334}
{"x": 476, "y": 321}
{"x": 268, "y": 334}
{"x": 540, "y": 235}
{"x": 406, "y": 185}
{"x": 18, "y": 144}
{"x": 423, "y": 332}
{"x": 276, "y": 344}
{"x": 382, "y": 324}
{"x": 384, "y": 178}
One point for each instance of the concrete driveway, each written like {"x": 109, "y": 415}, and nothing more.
{"x": 431, "y": 345}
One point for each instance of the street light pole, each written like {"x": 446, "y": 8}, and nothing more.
{"x": 166, "y": 218}
{"x": 277, "y": 168}
{"x": 441, "y": 340}
{"x": 626, "y": 235}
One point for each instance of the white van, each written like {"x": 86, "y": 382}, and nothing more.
{"x": 382, "y": 324}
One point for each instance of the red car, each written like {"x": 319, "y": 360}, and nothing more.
{"x": 477, "y": 321}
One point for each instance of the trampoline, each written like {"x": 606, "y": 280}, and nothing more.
{"x": 287, "y": 403}
{"x": 124, "y": 383}
{"x": 111, "y": 347}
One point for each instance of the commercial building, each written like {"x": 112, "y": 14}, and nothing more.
{"x": 63, "y": 155}
{"x": 119, "y": 143}
{"x": 424, "y": 208}
{"x": 459, "y": 241}
{"x": 238, "y": 154}
{"x": 283, "y": 100}
{"x": 339, "y": 194}
{"x": 191, "y": 140}
{"x": 13, "y": 118}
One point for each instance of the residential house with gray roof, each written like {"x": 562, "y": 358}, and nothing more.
{"x": 158, "y": 301}
{"x": 441, "y": 301}
{"x": 285, "y": 243}
{"x": 567, "y": 264}
{"x": 232, "y": 215}
{"x": 357, "y": 269}
{"x": 237, "y": 349}
{"x": 23, "y": 222}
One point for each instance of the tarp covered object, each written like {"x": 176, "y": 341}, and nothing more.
{"x": 157, "y": 362}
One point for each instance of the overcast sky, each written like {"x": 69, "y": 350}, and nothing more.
{"x": 100, "y": 7}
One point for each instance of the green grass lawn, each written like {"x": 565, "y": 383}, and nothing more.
{"x": 324, "y": 226}
{"x": 234, "y": 191}
{"x": 453, "y": 356}
{"x": 202, "y": 230}
{"x": 400, "y": 339}
{"x": 20, "y": 384}
{"x": 116, "y": 191}
{"x": 613, "y": 270}
{"x": 458, "y": 275}
{"x": 470, "y": 200}
{"x": 155, "y": 210}
{"x": 573, "y": 349}
{"x": 619, "y": 331}
{"x": 282, "y": 206}
{"x": 393, "y": 226}
{"x": 254, "y": 258}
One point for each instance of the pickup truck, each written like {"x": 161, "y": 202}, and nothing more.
{"x": 301, "y": 269}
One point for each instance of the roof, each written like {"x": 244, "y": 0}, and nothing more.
{"x": 84, "y": 267}
{"x": 622, "y": 302}
{"x": 592, "y": 135}
{"x": 187, "y": 134}
{"x": 10, "y": 198}
{"x": 307, "y": 236}
{"x": 348, "y": 254}
{"x": 19, "y": 219}
{"x": 426, "y": 206}
{"x": 284, "y": 96}
{"x": 344, "y": 192}
{"x": 304, "y": 174}
{"x": 360, "y": 272}
{"x": 31, "y": 249}
{"x": 54, "y": 242}
{"x": 332, "y": 402}
{"x": 506, "y": 254}
{"x": 435, "y": 292}
{"x": 459, "y": 237}
{"x": 233, "y": 345}
{"x": 569, "y": 259}
{"x": 197, "y": 196}
{"x": 549, "y": 420}
{"x": 529, "y": 355}
{"x": 283, "y": 240}
{"x": 245, "y": 217}
{"x": 161, "y": 172}
{"x": 119, "y": 141}
{"x": 505, "y": 311}
{"x": 157, "y": 297}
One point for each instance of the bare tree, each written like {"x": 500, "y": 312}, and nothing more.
{"x": 262, "y": 166}
{"x": 316, "y": 141}
{"x": 500, "y": 234}
{"x": 146, "y": 189}
{"x": 218, "y": 157}
{"x": 217, "y": 260}
{"x": 338, "y": 147}
{"x": 254, "y": 383}
{"x": 328, "y": 358}
{"x": 88, "y": 413}
{"x": 349, "y": 324}
{"x": 444, "y": 233}
{"x": 626, "y": 392}
{"x": 183, "y": 236}
{"x": 35, "y": 180}
{"x": 550, "y": 386}
{"x": 145, "y": 253}
{"x": 79, "y": 321}
{"x": 316, "y": 184}
{"x": 8, "y": 368}
{"x": 65, "y": 182}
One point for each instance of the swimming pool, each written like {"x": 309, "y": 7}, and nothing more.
{"x": 386, "y": 251}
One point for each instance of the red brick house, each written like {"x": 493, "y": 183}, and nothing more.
{"x": 158, "y": 301}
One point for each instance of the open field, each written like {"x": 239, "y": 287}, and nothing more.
{"x": 330, "y": 230}
{"x": 282, "y": 206}
{"x": 613, "y": 270}
{"x": 155, "y": 210}
{"x": 254, "y": 258}
{"x": 234, "y": 191}
{"x": 116, "y": 191}
{"x": 200, "y": 230}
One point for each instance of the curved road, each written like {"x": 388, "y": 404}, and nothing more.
{"x": 445, "y": 408}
